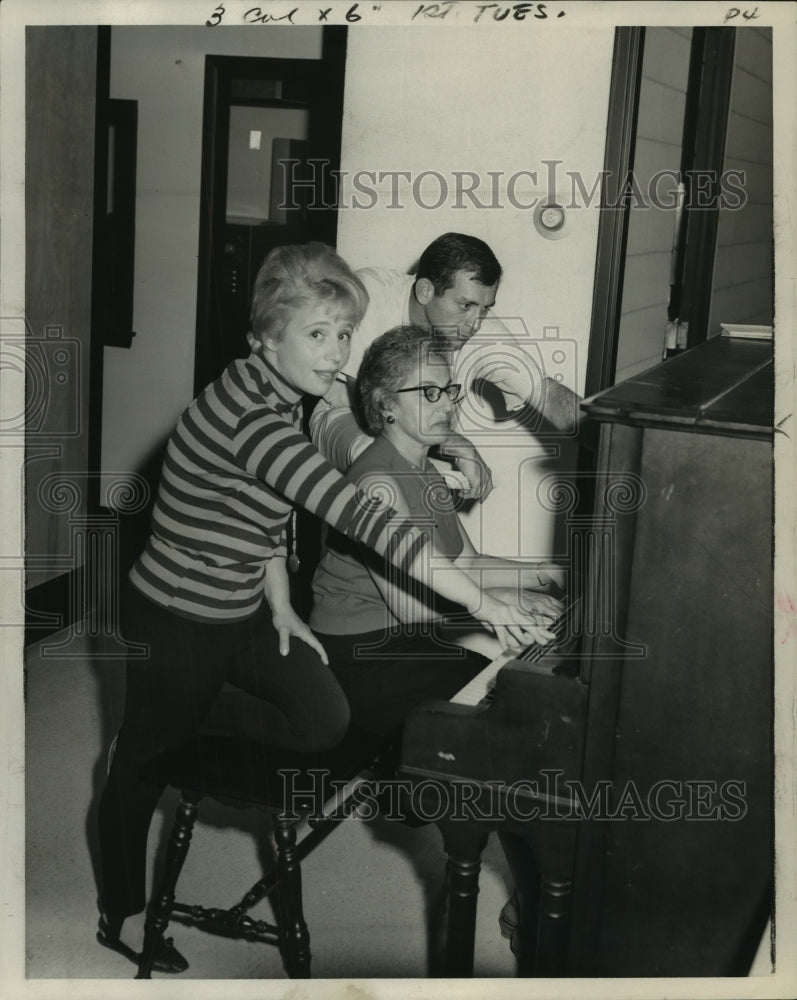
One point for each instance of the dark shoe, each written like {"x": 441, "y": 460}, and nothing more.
{"x": 526, "y": 959}
{"x": 167, "y": 958}
{"x": 509, "y": 917}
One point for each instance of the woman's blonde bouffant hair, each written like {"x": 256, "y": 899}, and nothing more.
{"x": 307, "y": 272}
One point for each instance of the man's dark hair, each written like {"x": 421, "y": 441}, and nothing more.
{"x": 454, "y": 252}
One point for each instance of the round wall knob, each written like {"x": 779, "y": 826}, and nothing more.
{"x": 550, "y": 220}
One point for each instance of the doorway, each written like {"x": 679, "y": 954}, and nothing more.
{"x": 689, "y": 243}
{"x": 270, "y": 149}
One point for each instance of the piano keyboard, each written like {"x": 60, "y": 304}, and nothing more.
{"x": 478, "y": 689}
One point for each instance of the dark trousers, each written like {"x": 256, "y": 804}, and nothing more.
{"x": 385, "y": 674}
{"x": 169, "y": 694}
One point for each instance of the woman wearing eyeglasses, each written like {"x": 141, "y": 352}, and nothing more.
{"x": 384, "y": 633}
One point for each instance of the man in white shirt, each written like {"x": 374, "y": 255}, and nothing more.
{"x": 452, "y": 292}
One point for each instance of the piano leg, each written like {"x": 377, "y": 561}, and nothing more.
{"x": 554, "y": 920}
{"x": 464, "y": 843}
{"x": 541, "y": 868}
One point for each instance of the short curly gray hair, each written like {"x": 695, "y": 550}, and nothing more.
{"x": 385, "y": 366}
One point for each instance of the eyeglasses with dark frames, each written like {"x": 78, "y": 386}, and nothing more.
{"x": 433, "y": 392}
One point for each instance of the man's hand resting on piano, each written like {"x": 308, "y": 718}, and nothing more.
{"x": 514, "y": 626}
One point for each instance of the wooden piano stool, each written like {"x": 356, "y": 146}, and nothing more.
{"x": 522, "y": 799}
{"x": 245, "y": 773}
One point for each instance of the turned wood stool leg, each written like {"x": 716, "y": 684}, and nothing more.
{"x": 160, "y": 907}
{"x": 293, "y": 929}
{"x": 464, "y": 843}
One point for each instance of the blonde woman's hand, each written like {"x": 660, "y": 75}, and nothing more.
{"x": 513, "y": 627}
{"x": 545, "y": 608}
{"x": 288, "y": 623}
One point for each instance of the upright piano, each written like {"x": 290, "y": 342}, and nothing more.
{"x": 636, "y": 769}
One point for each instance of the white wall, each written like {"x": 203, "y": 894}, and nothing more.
{"x": 471, "y": 100}
{"x": 146, "y": 387}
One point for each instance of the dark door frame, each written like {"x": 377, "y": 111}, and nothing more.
{"x": 321, "y": 78}
{"x": 618, "y": 162}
